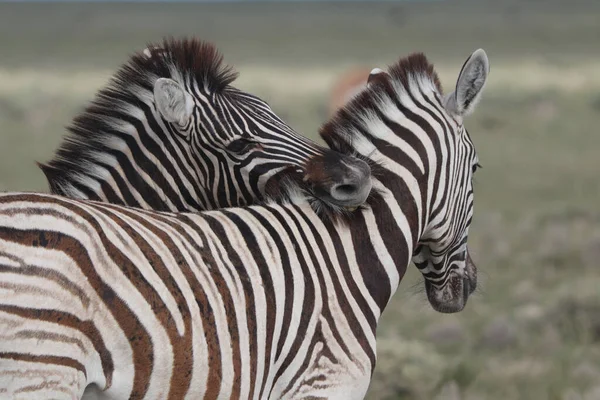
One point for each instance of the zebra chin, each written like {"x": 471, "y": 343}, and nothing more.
{"x": 452, "y": 296}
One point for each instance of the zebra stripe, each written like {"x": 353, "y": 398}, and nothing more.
{"x": 263, "y": 302}
{"x": 170, "y": 133}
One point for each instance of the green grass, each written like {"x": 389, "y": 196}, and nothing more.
{"x": 533, "y": 330}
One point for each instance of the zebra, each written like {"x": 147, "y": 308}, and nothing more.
{"x": 258, "y": 302}
{"x": 170, "y": 133}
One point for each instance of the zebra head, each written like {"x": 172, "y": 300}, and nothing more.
{"x": 442, "y": 254}
{"x": 171, "y": 133}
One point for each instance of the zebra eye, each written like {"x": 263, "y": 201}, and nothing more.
{"x": 240, "y": 146}
{"x": 476, "y": 167}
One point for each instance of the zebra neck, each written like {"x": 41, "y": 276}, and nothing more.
{"x": 125, "y": 158}
{"x": 385, "y": 236}
{"x": 396, "y": 219}
{"x": 375, "y": 245}
{"x": 405, "y": 166}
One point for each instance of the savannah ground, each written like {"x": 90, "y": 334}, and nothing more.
{"x": 533, "y": 330}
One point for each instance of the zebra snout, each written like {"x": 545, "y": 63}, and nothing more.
{"x": 350, "y": 183}
{"x": 471, "y": 273}
{"x": 339, "y": 179}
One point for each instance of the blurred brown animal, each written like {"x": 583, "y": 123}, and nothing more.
{"x": 347, "y": 86}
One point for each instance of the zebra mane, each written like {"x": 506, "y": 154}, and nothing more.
{"x": 191, "y": 58}
{"x": 347, "y": 131}
{"x": 95, "y": 133}
{"x": 347, "y": 127}
{"x": 415, "y": 68}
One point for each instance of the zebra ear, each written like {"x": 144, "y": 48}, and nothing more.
{"x": 172, "y": 101}
{"x": 376, "y": 75}
{"x": 469, "y": 85}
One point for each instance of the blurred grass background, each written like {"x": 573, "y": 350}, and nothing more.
{"x": 533, "y": 331}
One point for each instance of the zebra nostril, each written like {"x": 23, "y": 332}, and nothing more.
{"x": 351, "y": 194}
{"x": 344, "y": 191}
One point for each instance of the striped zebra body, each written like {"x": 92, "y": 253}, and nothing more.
{"x": 250, "y": 290}
{"x": 170, "y": 133}
{"x": 263, "y": 302}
